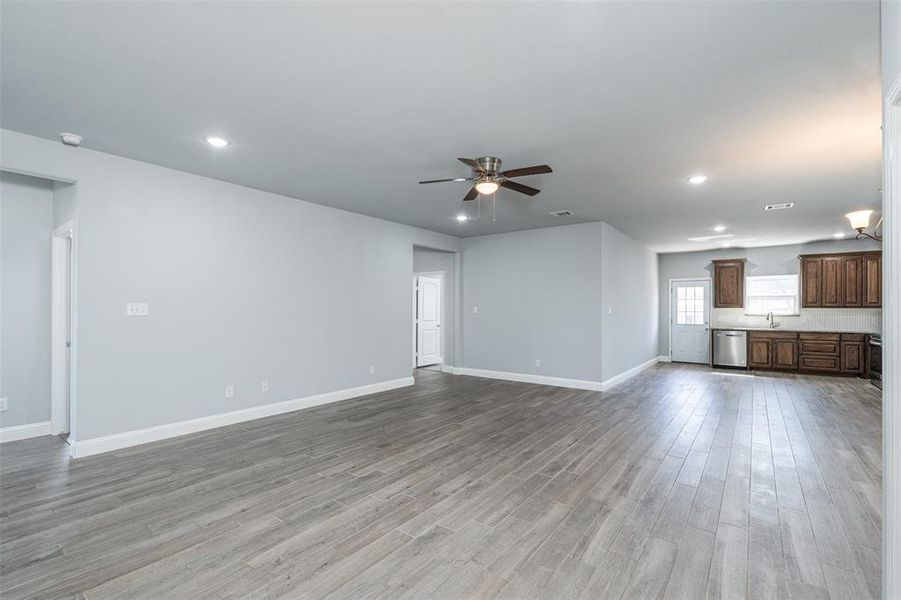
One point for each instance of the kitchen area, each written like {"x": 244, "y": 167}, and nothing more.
{"x": 812, "y": 309}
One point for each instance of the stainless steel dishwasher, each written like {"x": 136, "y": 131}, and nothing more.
{"x": 730, "y": 348}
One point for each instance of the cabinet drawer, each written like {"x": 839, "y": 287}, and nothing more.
{"x": 820, "y": 363}
{"x": 773, "y": 335}
{"x": 830, "y": 347}
{"x": 853, "y": 337}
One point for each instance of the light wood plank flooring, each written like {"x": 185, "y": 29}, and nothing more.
{"x": 680, "y": 483}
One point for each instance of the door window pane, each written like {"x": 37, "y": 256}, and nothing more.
{"x": 690, "y": 305}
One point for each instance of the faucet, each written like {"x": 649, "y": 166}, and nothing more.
{"x": 772, "y": 320}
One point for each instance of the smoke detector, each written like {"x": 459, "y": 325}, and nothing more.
{"x": 71, "y": 139}
{"x": 562, "y": 213}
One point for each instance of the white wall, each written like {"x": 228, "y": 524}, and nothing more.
{"x": 243, "y": 286}
{"x": 538, "y": 294}
{"x": 771, "y": 260}
{"x": 545, "y": 294}
{"x": 26, "y": 219}
{"x": 425, "y": 261}
{"x": 629, "y": 303}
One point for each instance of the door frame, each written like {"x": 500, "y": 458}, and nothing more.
{"x": 669, "y": 310}
{"x": 441, "y": 337}
{"x": 62, "y": 371}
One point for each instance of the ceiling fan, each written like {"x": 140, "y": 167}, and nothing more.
{"x": 488, "y": 177}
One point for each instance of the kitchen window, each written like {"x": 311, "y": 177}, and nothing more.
{"x": 777, "y": 294}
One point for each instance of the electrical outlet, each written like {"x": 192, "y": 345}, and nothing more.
{"x": 4, "y": 404}
{"x": 230, "y": 391}
{"x": 537, "y": 362}
{"x": 264, "y": 387}
{"x": 371, "y": 369}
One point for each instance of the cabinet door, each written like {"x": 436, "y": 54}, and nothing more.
{"x": 785, "y": 354}
{"x": 852, "y": 272}
{"x": 811, "y": 282}
{"x": 832, "y": 288}
{"x": 729, "y": 283}
{"x": 852, "y": 357}
{"x": 872, "y": 281}
{"x": 760, "y": 353}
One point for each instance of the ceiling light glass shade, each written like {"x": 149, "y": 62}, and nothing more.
{"x": 216, "y": 141}
{"x": 860, "y": 219}
{"x": 486, "y": 187}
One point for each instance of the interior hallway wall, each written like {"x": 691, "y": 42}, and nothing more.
{"x": 244, "y": 286}
{"x": 425, "y": 260}
{"x": 26, "y": 220}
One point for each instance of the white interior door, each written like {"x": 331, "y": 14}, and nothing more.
{"x": 690, "y": 320}
{"x": 428, "y": 321}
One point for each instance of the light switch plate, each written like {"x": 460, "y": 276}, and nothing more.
{"x": 137, "y": 309}
{"x": 4, "y": 404}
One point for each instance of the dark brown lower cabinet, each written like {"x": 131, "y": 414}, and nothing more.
{"x": 811, "y": 352}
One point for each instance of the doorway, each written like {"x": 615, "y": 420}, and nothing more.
{"x": 689, "y": 317}
{"x": 61, "y": 304}
{"x": 428, "y": 316}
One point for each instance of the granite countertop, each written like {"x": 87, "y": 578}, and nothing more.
{"x": 777, "y": 329}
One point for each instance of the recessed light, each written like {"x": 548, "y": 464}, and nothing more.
{"x": 839, "y": 235}
{"x": 719, "y": 228}
{"x": 561, "y": 213}
{"x": 216, "y": 141}
{"x": 697, "y": 179}
{"x": 71, "y": 139}
{"x": 726, "y": 244}
{"x": 462, "y": 218}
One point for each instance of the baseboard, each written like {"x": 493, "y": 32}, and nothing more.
{"x": 117, "y": 441}
{"x": 617, "y": 379}
{"x": 663, "y": 358}
{"x": 23, "y": 432}
{"x": 450, "y": 369}
{"x": 580, "y": 384}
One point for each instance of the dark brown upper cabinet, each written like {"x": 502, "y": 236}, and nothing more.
{"x": 729, "y": 283}
{"x": 849, "y": 280}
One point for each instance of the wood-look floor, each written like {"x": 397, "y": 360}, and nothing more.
{"x": 681, "y": 483}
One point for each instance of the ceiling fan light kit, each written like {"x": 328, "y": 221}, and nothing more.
{"x": 487, "y": 177}
{"x": 860, "y": 220}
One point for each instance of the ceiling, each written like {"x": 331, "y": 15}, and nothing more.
{"x": 349, "y": 105}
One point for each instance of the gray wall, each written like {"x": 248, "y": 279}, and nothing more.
{"x": 243, "y": 286}
{"x": 539, "y": 295}
{"x": 629, "y": 303}
{"x": 425, "y": 260}
{"x": 26, "y": 219}
{"x": 772, "y": 260}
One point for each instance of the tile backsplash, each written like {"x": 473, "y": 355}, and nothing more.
{"x": 862, "y": 320}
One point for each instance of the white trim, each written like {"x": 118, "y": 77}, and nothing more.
{"x": 669, "y": 313}
{"x": 662, "y": 358}
{"x": 62, "y": 246}
{"x": 451, "y": 369}
{"x": 580, "y": 384}
{"x": 24, "y": 432}
{"x": 891, "y": 345}
{"x": 617, "y": 379}
{"x": 82, "y": 448}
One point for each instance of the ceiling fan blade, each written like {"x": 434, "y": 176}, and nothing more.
{"x": 518, "y": 187}
{"x": 443, "y": 180}
{"x": 536, "y": 170}
{"x": 471, "y": 163}
{"x": 471, "y": 195}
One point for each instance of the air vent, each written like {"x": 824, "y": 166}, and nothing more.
{"x": 778, "y": 206}
{"x": 562, "y": 213}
